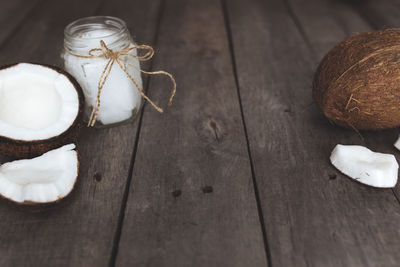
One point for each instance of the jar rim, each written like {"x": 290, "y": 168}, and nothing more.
{"x": 95, "y": 20}
{"x": 78, "y": 40}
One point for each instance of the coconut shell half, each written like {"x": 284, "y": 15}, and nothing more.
{"x": 41, "y": 108}
{"x": 357, "y": 84}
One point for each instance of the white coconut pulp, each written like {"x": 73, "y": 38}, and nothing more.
{"x": 36, "y": 102}
{"x": 365, "y": 166}
{"x": 47, "y": 178}
{"x": 397, "y": 143}
{"x": 120, "y": 98}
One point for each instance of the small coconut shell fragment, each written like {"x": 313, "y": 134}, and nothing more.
{"x": 29, "y": 126}
{"x": 41, "y": 180}
{"x": 365, "y": 166}
{"x": 357, "y": 84}
{"x": 397, "y": 143}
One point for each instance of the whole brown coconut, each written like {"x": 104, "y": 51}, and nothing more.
{"x": 357, "y": 84}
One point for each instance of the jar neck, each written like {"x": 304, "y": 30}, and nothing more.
{"x": 85, "y": 34}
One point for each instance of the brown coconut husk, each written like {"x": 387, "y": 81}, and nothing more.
{"x": 28, "y": 149}
{"x": 357, "y": 84}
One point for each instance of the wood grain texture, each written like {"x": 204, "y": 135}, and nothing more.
{"x": 380, "y": 14}
{"x": 79, "y": 231}
{"x": 325, "y": 23}
{"x": 191, "y": 200}
{"x": 40, "y": 36}
{"x": 12, "y": 15}
{"x": 314, "y": 216}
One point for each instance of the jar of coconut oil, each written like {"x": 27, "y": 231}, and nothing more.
{"x": 120, "y": 100}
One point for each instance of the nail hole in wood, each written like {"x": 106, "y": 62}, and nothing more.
{"x": 214, "y": 127}
{"x": 207, "y": 189}
{"x": 97, "y": 176}
{"x": 176, "y": 193}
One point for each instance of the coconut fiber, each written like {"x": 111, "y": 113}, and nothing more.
{"x": 357, "y": 84}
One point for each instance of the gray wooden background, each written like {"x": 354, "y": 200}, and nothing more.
{"x": 236, "y": 172}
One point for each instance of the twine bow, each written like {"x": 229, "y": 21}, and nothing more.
{"x": 115, "y": 56}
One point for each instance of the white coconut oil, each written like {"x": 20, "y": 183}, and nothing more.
{"x": 119, "y": 100}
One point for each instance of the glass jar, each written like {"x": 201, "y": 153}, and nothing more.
{"x": 120, "y": 100}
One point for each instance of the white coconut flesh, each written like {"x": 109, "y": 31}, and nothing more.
{"x": 365, "y": 166}
{"x": 43, "y": 179}
{"x": 397, "y": 143}
{"x": 36, "y": 102}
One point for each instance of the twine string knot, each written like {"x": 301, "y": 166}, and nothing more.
{"x": 115, "y": 57}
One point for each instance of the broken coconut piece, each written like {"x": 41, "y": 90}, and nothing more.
{"x": 43, "y": 179}
{"x": 397, "y": 143}
{"x": 40, "y": 109}
{"x": 365, "y": 166}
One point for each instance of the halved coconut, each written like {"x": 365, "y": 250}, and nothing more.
{"x": 40, "y": 109}
{"x": 47, "y": 178}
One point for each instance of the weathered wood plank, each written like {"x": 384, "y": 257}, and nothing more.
{"x": 191, "y": 200}
{"x": 325, "y": 23}
{"x": 40, "y": 38}
{"x": 80, "y": 230}
{"x": 12, "y": 15}
{"x": 310, "y": 218}
{"x": 380, "y": 14}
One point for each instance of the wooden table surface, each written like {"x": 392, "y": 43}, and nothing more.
{"x": 236, "y": 172}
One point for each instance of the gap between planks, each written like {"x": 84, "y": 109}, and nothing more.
{"x": 253, "y": 176}
{"x": 118, "y": 232}
{"x": 300, "y": 29}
